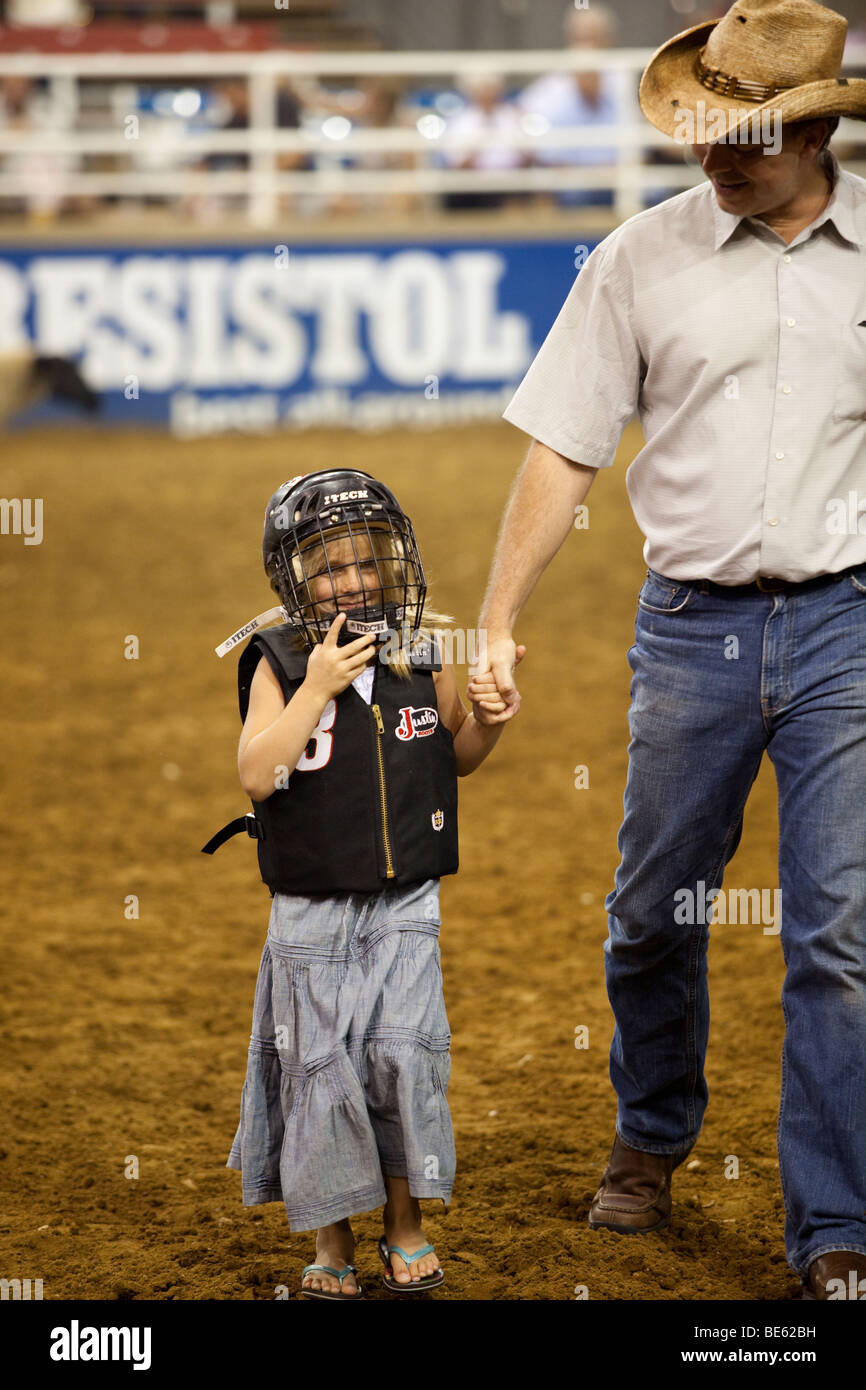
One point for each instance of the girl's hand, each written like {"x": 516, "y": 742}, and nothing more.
{"x": 331, "y": 669}
{"x": 488, "y": 706}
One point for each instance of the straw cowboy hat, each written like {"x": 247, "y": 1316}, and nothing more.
{"x": 779, "y": 56}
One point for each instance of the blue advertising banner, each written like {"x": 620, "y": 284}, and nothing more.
{"x": 208, "y": 338}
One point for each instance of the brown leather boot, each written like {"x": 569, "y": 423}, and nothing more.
{"x": 635, "y": 1192}
{"x": 838, "y": 1274}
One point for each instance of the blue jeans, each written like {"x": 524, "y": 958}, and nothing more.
{"x": 717, "y": 680}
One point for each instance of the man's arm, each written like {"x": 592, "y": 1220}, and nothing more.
{"x": 538, "y": 517}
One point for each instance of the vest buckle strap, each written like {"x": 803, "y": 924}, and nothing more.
{"x": 250, "y": 823}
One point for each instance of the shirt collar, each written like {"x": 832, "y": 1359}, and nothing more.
{"x": 840, "y": 211}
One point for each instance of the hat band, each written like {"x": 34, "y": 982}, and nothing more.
{"x": 717, "y": 81}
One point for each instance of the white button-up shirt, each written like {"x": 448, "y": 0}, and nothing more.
{"x": 745, "y": 359}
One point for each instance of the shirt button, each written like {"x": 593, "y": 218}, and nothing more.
{"x": 779, "y": 454}
{"x": 791, "y": 322}
{"x": 773, "y": 521}
{"x": 787, "y": 260}
{"x": 786, "y": 390}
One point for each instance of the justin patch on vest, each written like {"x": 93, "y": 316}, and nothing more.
{"x": 416, "y": 723}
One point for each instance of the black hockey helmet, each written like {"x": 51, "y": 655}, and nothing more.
{"x": 303, "y": 519}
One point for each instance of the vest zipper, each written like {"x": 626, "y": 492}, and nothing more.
{"x": 380, "y": 729}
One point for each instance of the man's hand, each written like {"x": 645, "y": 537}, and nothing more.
{"x": 331, "y": 669}
{"x": 495, "y": 698}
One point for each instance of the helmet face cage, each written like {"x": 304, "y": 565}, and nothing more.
{"x": 360, "y": 556}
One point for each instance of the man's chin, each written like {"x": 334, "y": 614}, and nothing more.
{"x": 735, "y": 197}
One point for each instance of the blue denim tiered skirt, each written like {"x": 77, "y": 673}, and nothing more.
{"x": 348, "y": 1064}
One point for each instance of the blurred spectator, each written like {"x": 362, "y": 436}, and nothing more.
{"x": 371, "y": 103}
{"x": 24, "y": 109}
{"x": 289, "y": 118}
{"x": 485, "y": 110}
{"x": 229, "y": 109}
{"x": 383, "y": 105}
{"x": 593, "y": 98}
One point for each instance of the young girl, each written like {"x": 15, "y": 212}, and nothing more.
{"x": 353, "y": 738}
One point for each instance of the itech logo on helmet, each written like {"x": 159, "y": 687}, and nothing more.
{"x": 416, "y": 723}
{"x": 352, "y": 496}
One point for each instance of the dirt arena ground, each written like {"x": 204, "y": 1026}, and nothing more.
{"x": 128, "y": 1037}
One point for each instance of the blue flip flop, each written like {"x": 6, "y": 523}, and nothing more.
{"x": 429, "y": 1281}
{"x": 338, "y": 1274}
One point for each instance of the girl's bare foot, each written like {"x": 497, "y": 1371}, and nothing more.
{"x": 402, "y": 1219}
{"x": 335, "y": 1246}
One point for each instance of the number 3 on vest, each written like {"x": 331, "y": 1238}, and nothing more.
{"x": 322, "y": 741}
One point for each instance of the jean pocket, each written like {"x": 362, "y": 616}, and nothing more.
{"x": 659, "y": 595}
{"x": 858, "y": 580}
{"x": 416, "y": 903}
{"x": 308, "y": 925}
{"x": 850, "y": 400}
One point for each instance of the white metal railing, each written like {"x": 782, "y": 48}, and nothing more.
{"x": 288, "y": 62}
{"x": 171, "y": 149}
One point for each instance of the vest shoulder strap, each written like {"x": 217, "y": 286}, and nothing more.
{"x": 427, "y": 655}
{"x": 286, "y": 661}
{"x": 289, "y": 664}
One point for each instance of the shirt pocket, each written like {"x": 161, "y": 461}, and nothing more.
{"x": 850, "y": 399}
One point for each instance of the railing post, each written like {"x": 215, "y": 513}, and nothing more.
{"x": 63, "y": 87}
{"x": 627, "y": 200}
{"x": 262, "y": 202}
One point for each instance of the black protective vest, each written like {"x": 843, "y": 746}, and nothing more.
{"x": 373, "y": 799}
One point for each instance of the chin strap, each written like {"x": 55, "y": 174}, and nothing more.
{"x": 359, "y": 628}
{"x": 259, "y": 621}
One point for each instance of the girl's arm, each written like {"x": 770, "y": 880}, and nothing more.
{"x": 275, "y": 734}
{"x": 472, "y": 741}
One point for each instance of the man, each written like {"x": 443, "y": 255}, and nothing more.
{"x": 733, "y": 318}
